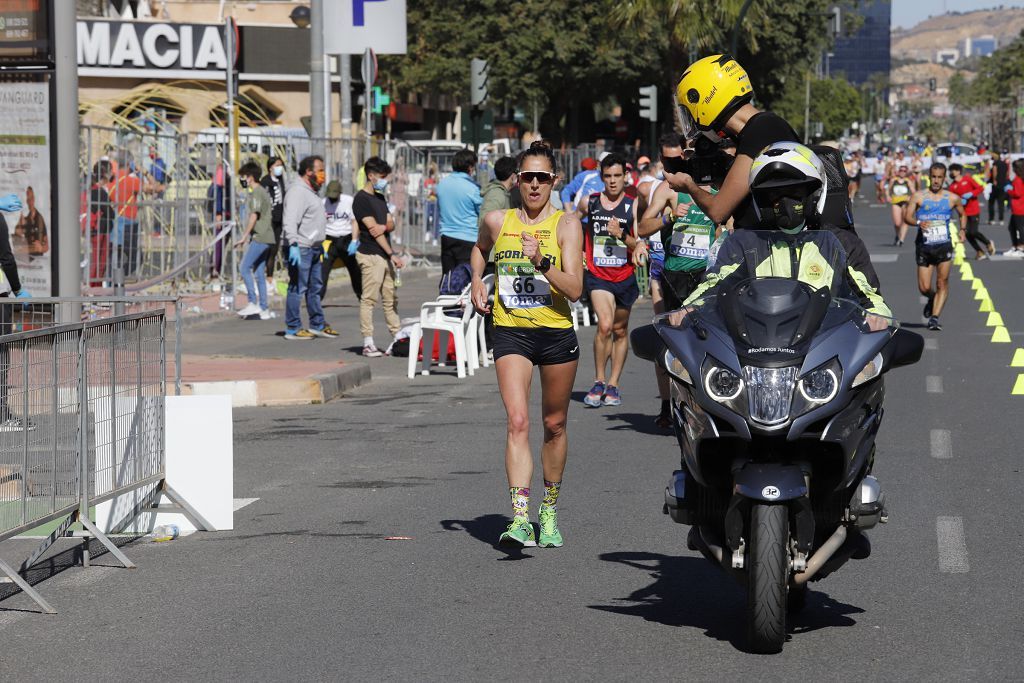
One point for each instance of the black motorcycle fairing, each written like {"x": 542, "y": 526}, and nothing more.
{"x": 854, "y": 429}
{"x": 770, "y": 482}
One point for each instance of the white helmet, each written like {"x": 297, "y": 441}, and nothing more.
{"x": 788, "y": 186}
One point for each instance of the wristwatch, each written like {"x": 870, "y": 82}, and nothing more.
{"x": 544, "y": 265}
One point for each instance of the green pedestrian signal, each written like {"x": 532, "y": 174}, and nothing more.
{"x": 380, "y": 100}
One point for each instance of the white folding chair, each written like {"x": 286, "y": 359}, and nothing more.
{"x": 463, "y": 328}
{"x": 580, "y": 313}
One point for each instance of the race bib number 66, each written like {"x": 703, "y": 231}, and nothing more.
{"x": 521, "y": 286}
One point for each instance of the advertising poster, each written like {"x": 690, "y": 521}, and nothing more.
{"x": 25, "y": 171}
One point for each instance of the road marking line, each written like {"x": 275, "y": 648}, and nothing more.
{"x": 931, "y": 344}
{"x": 239, "y": 503}
{"x": 933, "y": 384}
{"x": 884, "y": 258}
{"x": 942, "y": 444}
{"x": 952, "y": 545}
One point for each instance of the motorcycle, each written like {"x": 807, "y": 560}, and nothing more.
{"x": 777, "y": 389}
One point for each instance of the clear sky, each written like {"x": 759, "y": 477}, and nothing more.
{"x": 906, "y": 13}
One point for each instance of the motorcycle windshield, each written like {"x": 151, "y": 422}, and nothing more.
{"x": 770, "y": 290}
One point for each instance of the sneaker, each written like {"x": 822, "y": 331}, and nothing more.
{"x": 594, "y": 396}
{"x": 327, "y": 332}
{"x": 267, "y": 314}
{"x": 991, "y": 248}
{"x": 251, "y": 309}
{"x": 371, "y": 351}
{"x": 519, "y": 534}
{"x": 982, "y": 256}
{"x": 927, "y": 313}
{"x": 933, "y": 324}
{"x": 550, "y": 536}
{"x": 612, "y": 397}
{"x": 16, "y": 424}
{"x": 300, "y": 335}
{"x": 1011, "y": 252}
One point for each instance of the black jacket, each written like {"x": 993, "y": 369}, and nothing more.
{"x": 7, "y": 262}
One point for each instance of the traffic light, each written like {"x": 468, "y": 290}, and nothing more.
{"x": 380, "y": 100}
{"x": 931, "y": 85}
{"x": 649, "y": 102}
{"x": 478, "y": 70}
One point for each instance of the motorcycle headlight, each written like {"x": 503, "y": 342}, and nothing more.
{"x": 675, "y": 367}
{"x": 770, "y": 393}
{"x": 819, "y": 385}
{"x": 722, "y": 384}
{"x": 870, "y": 371}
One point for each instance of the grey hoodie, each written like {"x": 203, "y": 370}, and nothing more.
{"x": 305, "y": 221}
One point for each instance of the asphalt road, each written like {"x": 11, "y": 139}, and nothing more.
{"x": 309, "y": 586}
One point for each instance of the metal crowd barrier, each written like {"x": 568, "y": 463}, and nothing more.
{"x": 81, "y": 416}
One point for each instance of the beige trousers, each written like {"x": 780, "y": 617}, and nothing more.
{"x": 378, "y": 285}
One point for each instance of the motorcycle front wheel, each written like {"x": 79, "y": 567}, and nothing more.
{"x": 768, "y": 578}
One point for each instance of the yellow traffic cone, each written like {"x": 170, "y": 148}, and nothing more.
{"x": 980, "y": 294}
{"x": 986, "y": 306}
{"x": 1018, "y": 359}
{"x": 1018, "y": 387}
{"x": 1000, "y": 336}
{"x": 976, "y": 283}
{"x": 994, "y": 320}
{"x": 958, "y": 260}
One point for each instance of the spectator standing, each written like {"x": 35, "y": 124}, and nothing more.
{"x": 458, "y": 202}
{"x": 273, "y": 183}
{"x": 304, "y": 227}
{"x": 219, "y": 198}
{"x": 258, "y": 210}
{"x": 10, "y": 285}
{"x": 340, "y": 224}
{"x": 124, "y": 192}
{"x": 587, "y": 175}
{"x": 156, "y": 185}
{"x": 496, "y": 196}
{"x": 999, "y": 177}
{"x": 101, "y": 220}
{"x": 430, "y": 207}
{"x": 376, "y": 259}
{"x": 1015, "y": 191}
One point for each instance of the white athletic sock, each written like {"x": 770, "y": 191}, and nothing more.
{"x": 368, "y": 341}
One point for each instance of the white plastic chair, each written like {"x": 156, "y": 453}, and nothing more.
{"x": 580, "y": 312}
{"x": 465, "y": 330}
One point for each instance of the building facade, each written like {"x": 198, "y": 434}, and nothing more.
{"x": 867, "y": 52}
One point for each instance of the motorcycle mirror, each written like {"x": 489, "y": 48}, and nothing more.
{"x": 905, "y": 348}
{"x": 646, "y": 343}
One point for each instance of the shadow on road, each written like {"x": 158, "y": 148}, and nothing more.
{"x": 689, "y": 591}
{"x": 486, "y": 529}
{"x": 636, "y": 422}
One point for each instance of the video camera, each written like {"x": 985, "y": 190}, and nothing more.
{"x": 708, "y": 164}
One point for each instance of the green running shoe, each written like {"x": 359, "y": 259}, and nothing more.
{"x": 550, "y": 536}
{"x": 519, "y": 533}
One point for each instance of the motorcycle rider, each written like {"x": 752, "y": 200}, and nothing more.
{"x": 714, "y": 97}
{"x": 788, "y": 185}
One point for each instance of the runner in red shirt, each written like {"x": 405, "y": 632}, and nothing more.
{"x": 969, "y": 190}
{"x": 609, "y": 239}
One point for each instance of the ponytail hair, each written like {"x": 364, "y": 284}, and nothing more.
{"x": 539, "y": 148}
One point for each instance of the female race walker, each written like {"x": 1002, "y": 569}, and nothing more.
{"x": 538, "y": 259}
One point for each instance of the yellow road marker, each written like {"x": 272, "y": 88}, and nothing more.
{"x": 976, "y": 283}
{"x": 1018, "y": 387}
{"x": 1018, "y": 359}
{"x": 986, "y": 306}
{"x": 994, "y": 320}
{"x": 1000, "y": 336}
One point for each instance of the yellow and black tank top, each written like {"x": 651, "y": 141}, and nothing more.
{"x": 523, "y": 297}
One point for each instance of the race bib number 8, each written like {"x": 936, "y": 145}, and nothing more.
{"x": 935, "y": 232}
{"x": 609, "y": 252}
{"x": 690, "y": 244}
{"x": 521, "y": 286}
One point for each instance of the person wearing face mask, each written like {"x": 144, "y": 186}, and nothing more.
{"x": 714, "y": 97}
{"x": 788, "y": 185}
{"x": 273, "y": 183}
{"x": 377, "y": 260}
{"x": 305, "y": 226}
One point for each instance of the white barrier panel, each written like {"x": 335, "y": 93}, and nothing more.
{"x": 199, "y": 447}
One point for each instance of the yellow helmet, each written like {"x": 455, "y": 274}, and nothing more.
{"x": 709, "y": 92}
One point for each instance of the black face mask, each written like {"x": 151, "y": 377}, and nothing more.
{"x": 788, "y": 214}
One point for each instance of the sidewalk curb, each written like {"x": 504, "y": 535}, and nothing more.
{"x": 318, "y": 388}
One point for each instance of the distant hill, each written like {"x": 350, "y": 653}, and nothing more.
{"x": 945, "y": 31}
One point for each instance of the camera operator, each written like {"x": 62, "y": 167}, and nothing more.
{"x": 714, "y": 97}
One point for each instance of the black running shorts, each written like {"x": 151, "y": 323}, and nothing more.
{"x": 626, "y": 292}
{"x": 934, "y": 255}
{"x": 540, "y": 345}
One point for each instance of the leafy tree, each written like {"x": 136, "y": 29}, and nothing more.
{"x": 834, "y": 102}
{"x": 933, "y": 129}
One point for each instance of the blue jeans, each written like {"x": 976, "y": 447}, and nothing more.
{"x": 305, "y": 282}
{"x": 255, "y": 261}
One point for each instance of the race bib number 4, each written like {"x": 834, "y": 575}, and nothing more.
{"x": 935, "y": 232}
{"x": 690, "y": 244}
{"x": 521, "y": 286}
{"x": 609, "y": 252}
